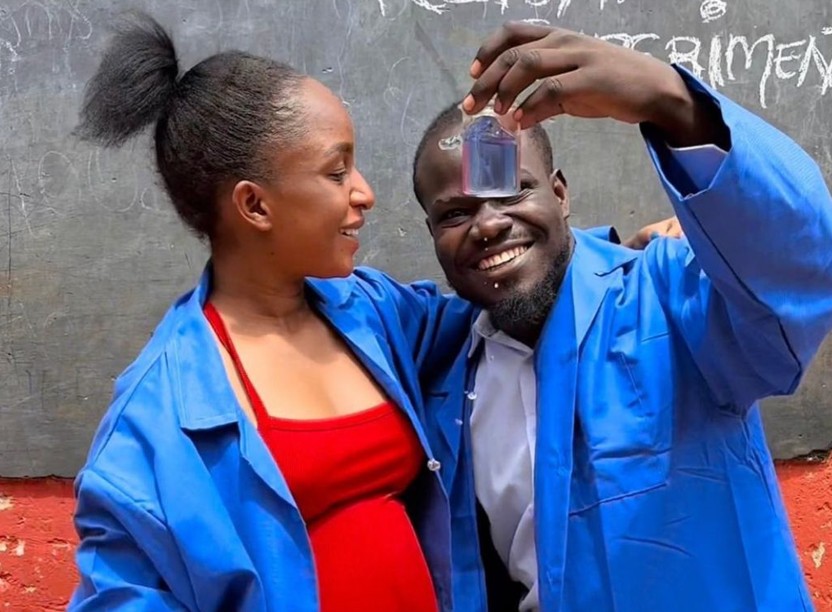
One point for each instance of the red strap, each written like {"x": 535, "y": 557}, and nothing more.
{"x": 218, "y": 325}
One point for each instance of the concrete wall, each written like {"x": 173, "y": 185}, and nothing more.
{"x": 37, "y": 571}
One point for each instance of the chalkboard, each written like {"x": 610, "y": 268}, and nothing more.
{"x": 91, "y": 253}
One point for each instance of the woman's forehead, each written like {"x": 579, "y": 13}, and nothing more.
{"x": 322, "y": 107}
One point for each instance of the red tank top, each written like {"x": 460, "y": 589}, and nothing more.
{"x": 347, "y": 474}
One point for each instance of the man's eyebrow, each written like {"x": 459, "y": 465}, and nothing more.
{"x": 454, "y": 200}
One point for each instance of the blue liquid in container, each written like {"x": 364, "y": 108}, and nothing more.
{"x": 490, "y": 160}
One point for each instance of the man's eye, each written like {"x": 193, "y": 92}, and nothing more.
{"x": 525, "y": 190}
{"x": 339, "y": 177}
{"x": 453, "y": 214}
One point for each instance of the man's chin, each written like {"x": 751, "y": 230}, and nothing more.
{"x": 520, "y": 309}
{"x": 509, "y": 307}
{"x": 514, "y": 304}
{"x": 485, "y": 297}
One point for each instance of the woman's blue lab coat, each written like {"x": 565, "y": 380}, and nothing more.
{"x": 180, "y": 504}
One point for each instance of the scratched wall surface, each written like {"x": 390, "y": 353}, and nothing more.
{"x": 91, "y": 253}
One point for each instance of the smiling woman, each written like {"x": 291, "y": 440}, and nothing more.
{"x": 275, "y": 398}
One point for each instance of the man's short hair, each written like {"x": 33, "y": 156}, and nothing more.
{"x": 452, "y": 115}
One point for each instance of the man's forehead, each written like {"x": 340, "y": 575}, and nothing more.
{"x": 436, "y": 156}
{"x": 444, "y": 165}
{"x": 438, "y": 165}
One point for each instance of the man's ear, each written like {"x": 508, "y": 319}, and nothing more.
{"x": 558, "y": 181}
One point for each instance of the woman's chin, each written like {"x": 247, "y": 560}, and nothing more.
{"x": 339, "y": 270}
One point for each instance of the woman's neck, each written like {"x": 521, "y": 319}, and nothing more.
{"x": 254, "y": 299}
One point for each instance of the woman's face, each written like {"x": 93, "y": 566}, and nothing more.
{"x": 317, "y": 202}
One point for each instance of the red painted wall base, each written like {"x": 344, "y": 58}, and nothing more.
{"x": 37, "y": 540}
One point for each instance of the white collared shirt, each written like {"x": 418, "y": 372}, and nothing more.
{"x": 503, "y": 433}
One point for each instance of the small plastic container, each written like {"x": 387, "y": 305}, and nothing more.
{"x": 490, "y": 154}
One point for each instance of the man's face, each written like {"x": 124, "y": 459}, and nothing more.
{"x": 496, "y": 251}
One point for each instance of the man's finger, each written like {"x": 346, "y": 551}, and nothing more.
{"x": 532, "y": 64}
{"x": 549, "y": 98}
{"x": 673, "y": 228}
{"x": 513, "y": 71}
{"x": 512, "y": 34}
{"x": 487, "y": 85}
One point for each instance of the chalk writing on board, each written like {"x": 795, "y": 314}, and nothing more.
{"x": 56, "y": 176}
{"x": 711, "y": 10}
{"x": 43, "y": 22}
{"x": 14, "y": 191}
{"x": 36, "y": 25}
{"x": 721, "y": 58}
{"x": 442, "y": 7}
{"x": 724, "y": 58}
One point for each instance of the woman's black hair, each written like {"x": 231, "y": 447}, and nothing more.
{"x": 212, "y": 124}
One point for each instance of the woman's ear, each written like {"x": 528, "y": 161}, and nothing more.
{"x": 252, "y": 204}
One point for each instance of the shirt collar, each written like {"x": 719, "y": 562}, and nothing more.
{"x": 483, "y": 329}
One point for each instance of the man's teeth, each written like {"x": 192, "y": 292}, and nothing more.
{"x": 352, "y": 233}
{"x": 501, "y": 258}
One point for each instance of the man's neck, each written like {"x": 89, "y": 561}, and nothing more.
{"x": 528, "y": 334}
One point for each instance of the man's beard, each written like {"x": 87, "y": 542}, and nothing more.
{"x": 529, "y": 309}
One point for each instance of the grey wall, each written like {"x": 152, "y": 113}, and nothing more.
{"x": 91, "y": 253}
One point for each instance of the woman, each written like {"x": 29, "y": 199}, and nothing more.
{"x": 262, "y": 452}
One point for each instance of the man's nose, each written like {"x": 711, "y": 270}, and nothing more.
{"x": 489, "y": 223}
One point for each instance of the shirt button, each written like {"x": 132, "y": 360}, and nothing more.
{"x": 434, "y": 465}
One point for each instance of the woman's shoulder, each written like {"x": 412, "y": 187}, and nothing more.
{"x": 143, "y": 416}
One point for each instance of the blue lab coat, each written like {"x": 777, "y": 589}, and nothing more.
{"x": 653, "y": 486}
{"x": 180, "y": 504}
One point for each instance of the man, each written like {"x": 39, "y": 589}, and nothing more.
{"x": 604, "y": 414}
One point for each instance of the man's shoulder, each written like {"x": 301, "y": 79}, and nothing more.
{"x": 605, "y": 256}
{"x": 598, "y": 255}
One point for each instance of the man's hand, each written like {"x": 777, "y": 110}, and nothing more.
{"x": 669, "y": 227}
{"x": 587, "y": 77}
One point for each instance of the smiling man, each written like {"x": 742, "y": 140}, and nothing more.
{"x": 603, "y": 420}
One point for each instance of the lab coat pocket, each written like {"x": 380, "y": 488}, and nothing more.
{"x": 624, "y": 425}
